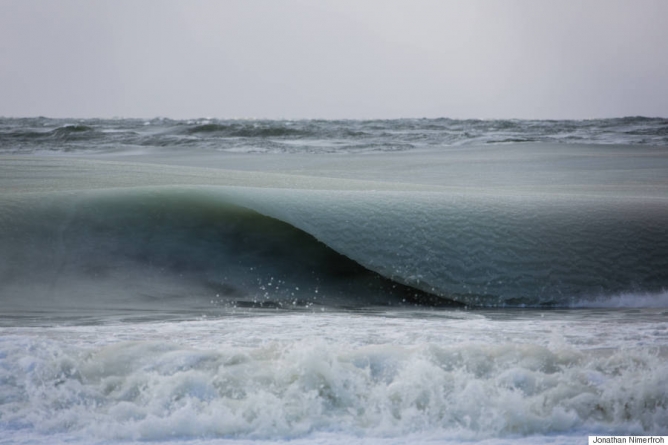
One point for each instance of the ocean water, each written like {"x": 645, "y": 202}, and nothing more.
{"x": 406, "y": 281}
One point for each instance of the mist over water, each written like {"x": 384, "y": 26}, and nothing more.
{"x": 215, "y": 281}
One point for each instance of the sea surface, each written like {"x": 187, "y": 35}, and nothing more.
{"x": 392, "y": 281}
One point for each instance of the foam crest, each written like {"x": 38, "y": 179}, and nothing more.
{"x": 162, "y": 391}
{"x": 627, "y": 300}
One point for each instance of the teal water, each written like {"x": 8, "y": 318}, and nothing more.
{"x": 432, "y": 281}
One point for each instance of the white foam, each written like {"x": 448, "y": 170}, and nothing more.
{"x": 333, "y": 376}
{"x": 627, "y": 300}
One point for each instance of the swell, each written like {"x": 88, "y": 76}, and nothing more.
{"x": 173, "y": 250}
{"x": 198, "y": 248}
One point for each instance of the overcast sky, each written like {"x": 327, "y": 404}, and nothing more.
{"x": 334, "y": 59}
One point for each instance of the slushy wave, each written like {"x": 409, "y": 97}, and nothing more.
{"x": 203, "y": 247}
{"x": 176, "y": 250}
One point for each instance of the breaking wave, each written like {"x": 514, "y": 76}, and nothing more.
{"x": 197, "y": 248}
{"x": 155, "y": 390}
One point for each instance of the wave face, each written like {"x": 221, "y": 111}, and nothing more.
{"x": 316, "y": 136}
{"x": 174, "y": 250}
{"x": 492, "y": 250}
{"x": 197, "y": 248}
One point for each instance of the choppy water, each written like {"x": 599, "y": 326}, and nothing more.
{"x": 316, "y": 136}
{"x": 432, "y": 281}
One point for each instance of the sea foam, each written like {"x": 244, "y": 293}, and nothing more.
{"x": 95, "y": 388}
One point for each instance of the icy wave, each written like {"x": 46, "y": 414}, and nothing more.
{"x": 288, "y": 390}
{"x": 203, "y": 246}
{"x": 174, "y": 250}
{"x": 488, "y": 250}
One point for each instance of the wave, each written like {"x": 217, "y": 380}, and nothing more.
{"x": 195, "y": 247}
{"x": 246, "y": 130}
{"x": 175, "y": 249}
{"x": 318, "y": 136}
{"x": 491, "y": 250}
{"x": 63, "y": 134}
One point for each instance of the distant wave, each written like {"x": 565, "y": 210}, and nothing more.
{"x": 246, "y": 131}
{"x": 318, "y": 136}
{"x": 66, "y": 133}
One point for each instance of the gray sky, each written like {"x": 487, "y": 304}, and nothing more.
{"x": 334, "y": 59}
